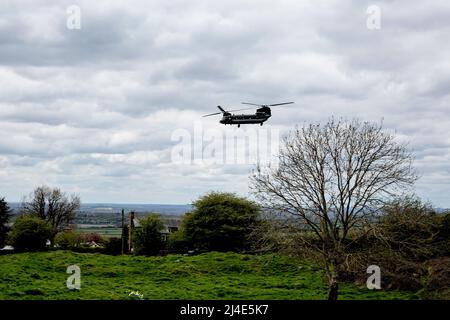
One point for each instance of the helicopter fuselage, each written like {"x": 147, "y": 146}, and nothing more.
{"x": 261, "y": 115}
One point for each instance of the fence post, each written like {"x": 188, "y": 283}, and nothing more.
{"x": 123, "y": 238}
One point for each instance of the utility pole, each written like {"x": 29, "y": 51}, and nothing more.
{"x": 130, "y": 230}
{"x": 123, "y": 238}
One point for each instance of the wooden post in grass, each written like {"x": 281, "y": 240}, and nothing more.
{"x": 130, "y": 231}
{"x": 123, "y": 238}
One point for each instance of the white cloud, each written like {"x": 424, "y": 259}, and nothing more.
{"x": 93, "y": 110}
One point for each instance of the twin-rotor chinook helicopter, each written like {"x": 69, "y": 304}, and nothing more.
{"x": 262, "y": 114}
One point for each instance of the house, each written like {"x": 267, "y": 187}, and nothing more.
{"x": 171, "y": 224}
{"x": 93, "y": 244}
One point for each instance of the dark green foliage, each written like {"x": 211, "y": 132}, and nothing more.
{"x": 445, "y": 225}
{"x": 4, "y": 217}
{"x": 147, "y": 238}
{"x": 177, "y": 242}
{"x": 220, "y": 222}
{"x": 443, "y": 237}
{"x": 113, "y": 246}
{"x": 124, "y": 239}
{"x": 29, "y": 233}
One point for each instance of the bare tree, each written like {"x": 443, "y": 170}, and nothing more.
{"x": 52, "y": 205}
{"x": 332, "y": 179}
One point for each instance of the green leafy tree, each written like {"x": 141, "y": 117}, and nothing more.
{"x": 68, "y": 239}
{"x": 220, "y": 222}
{"x": 4, "y": 217}
{"x": 147, "y": 238}
{"x": 29, "y": 233}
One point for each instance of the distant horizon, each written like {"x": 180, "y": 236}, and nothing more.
{"x": 114, "y": 110}
{"x": 108, "y": 208}
{"x": 164, "y": 204}
{"x": 121, "y": 203}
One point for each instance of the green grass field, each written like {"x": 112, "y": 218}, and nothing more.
{"x": 103, "y": 232}
{"x": 213, "y": 275}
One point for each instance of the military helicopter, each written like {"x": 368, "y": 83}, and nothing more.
{"x": 262, "y": 114}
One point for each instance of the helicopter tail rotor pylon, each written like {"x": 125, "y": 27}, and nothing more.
{"x": 224, "y": 112}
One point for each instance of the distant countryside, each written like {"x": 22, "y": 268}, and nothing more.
{"x": 337, "y": 219}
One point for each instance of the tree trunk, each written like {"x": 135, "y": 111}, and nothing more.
{"x": 333, "y": 290}
{"x": 331, "y": 268}
{"x": 332, "y": 281}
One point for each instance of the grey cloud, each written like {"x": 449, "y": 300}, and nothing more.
{"x": 94, "y": 109}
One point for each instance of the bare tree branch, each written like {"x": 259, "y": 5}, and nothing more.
{"x": 52, "y": 205}
{"x": 333, "y": 179}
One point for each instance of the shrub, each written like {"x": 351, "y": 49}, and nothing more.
{"x": 147, "y": 238}
{"x": 4, "y": 217}
{"x": 125, "y": 235}
{"x": 67, "y": 239}
{"x": 177, "y": 242}
{"x": 444, "y": 234}
{"x": 438, "y": 280}
{"x": 220, "y": 222}
{"x": 29, "y": 233}
{"x": 410, "y": 228}
{"x": 113, "y": 246}
{"x": 409, "y": 238}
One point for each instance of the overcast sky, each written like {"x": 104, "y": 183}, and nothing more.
{"x": 93, "y": 110}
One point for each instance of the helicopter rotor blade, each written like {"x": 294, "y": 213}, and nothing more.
{"x": 221, "y": 109}
{"x": 212, "y": 114}
{"x": 248, "y": 103}
{"x": 252, "y": 104}
{"x": 279, "y": 104}
{"x": 267, "y": 105}
{"x": 240, "y": 109}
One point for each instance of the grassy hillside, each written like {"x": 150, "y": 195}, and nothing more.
{"x": 103, "y": 232}
{"x": 207, "y": 276}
